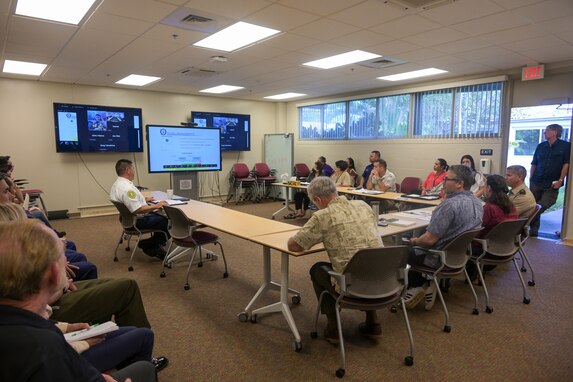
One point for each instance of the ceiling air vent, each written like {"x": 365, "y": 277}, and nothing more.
{"x": 418, "y": 4}
{"x": 198, "y": 73}
{"x": 381, "y": 62}
{"x": 193, "y": 19}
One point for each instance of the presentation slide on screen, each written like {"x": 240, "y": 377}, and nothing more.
{"x": 183, "y": 149}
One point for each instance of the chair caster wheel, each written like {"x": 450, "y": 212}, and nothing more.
{"x": 447, "y": 328}
{"x": 162, "y": 274}
{"x": 475, "y": 311}
{"x": 531, "y": 283}
{"x": 297, "y": 346}
{"x": 523, "y": 269}
{"x": 488, "y": 309}
{"x": 393, "y": 309}
{"x": 225, "y": 275}
{"x": 115, "y": 259}
{"x": 254, "y": 319}
{"x": 409, "y": 361}
{"x": 169, "y": 265}
{"x": 130, "y": 268}
{"x": 296, "y": 299}
{"x": 200, "y": 265}
{"x": 526, "y": 300}
{"x": 340, "y": 373}
{"x": 243, "y": 317}
{"x": 313, "y": 335}
{"x": 186, "y": 287}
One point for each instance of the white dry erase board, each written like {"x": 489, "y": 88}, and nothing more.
{"x": 279, "y": 155}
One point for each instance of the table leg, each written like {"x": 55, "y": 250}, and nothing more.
{"x": 286, "y": 206}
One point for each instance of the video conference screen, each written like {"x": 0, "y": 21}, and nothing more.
{"x": 91, "y": 128}
{"x": 235, "y": 128}
{"x": 178, "y": 148}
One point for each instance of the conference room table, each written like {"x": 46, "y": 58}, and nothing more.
{"x": 274, "y": 235}
{"x": 380, "y": 195}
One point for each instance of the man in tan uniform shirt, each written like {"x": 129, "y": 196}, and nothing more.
{"x": 520, "y": 195}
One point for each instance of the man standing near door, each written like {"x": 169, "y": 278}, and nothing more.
{"x": 549, "y": 167}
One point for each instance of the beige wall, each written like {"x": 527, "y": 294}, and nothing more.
{"x": 27, "y": 133}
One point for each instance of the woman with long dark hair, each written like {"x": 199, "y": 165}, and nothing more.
{"x": 498, "y": 207}
{"x": 352, "y": 171}
{"x": 478, "y": 188}
{"x": 435, "y": 180}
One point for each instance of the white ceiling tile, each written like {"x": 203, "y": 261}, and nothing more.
{"x": 562, "y": 27}
{"x": 510, "y": 4}
{"x": 462, "y": 45}
{"x": 290, "y": 42}
{"x": 325, "y": 29}
{"x": 548, "y": 55}
{"x": 439, "y": 62}
{"x": 547, "y": 10}
{"x": 368, "y": 14}
{"x": 488, "y": 24}
{"x": 461, "y": 10}
{"x": 161, "y": 32}
{"x": 468, "y": 68}
{"x": 361, "y": 39}
{"x": 420, "y": 54}
{"x": 148, "y": 10}
{"x": 280, "y": 18}
{"x": 119, "y": 24}
{"x": 436, "y": 37}
{"x": 322, "y": 8}
{"x": 514, "y": 34}
{"x": 394, "y": 48}
{"x": 531, "y": 43}
{"x": 406, "y": 26}
{"x": 43, "y": 38}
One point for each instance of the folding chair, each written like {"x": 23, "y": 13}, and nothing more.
{"x": 184, "y": 234}
{"x": 523, "y": 239}
{"x": 373, "y": 278}
{"x": 265, "y": 177}
{"x": 128, "y": 222}
{"x": 453, "y": 259}
{"x": 499, "y": 246}
{"x": 239, "y": 178}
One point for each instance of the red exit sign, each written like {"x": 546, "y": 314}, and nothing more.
{"x": 532, "y": 72}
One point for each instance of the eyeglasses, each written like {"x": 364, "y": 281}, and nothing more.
{"x": 447, "y": 179}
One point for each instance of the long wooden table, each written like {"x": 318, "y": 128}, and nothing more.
{"x": 393, "y": 196}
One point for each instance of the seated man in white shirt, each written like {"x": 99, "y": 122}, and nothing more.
{"x": 124, "y": 191}
{"x": 381, "y": 179}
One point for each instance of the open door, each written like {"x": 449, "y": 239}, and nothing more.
{"x": 525, "y": 133}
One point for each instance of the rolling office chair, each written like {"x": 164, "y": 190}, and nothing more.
{"x": 409, "y": 185}
{"x": 184, "y": 234}
{"x": 499, "y": 246}
{"x": 128, "y": 222}
{"x": 301, "y": 171}
{"x": 524, "y": 237}
{"x": 373, "y": 278}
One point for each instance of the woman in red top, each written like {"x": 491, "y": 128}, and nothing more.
{"x": 498, "y": 207}
{"x": 435, "y": 181}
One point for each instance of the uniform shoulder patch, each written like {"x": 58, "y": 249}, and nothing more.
{"x": 131, "y": 194}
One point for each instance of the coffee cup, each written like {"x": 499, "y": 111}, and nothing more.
{"x": 169, "y": 194}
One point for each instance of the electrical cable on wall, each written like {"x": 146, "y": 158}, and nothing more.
{"x": 93, "y": 176}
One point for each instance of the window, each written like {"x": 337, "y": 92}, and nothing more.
{"x": 394, "y": 116}
{"x": 460, "y": 112}
{"x": 526, "y": 141}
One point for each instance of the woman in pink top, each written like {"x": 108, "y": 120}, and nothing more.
{"x": 435, "y": 181}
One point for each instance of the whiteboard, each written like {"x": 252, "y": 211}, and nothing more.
{"x": 279, "y": 153}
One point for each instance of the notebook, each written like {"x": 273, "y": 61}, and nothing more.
{"x": 92, "y": 331}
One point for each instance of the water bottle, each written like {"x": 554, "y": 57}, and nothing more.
{"x": 376, "y": 209}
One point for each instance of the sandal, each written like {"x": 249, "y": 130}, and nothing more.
{"x": 292, "y": 215}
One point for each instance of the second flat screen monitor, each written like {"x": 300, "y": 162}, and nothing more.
{"x": 235, "y": 128}
{"x": 177, "y": 149}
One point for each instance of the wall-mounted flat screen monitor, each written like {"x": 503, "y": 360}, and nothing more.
{"x": 91, "y": 128}
{"x": 179, "y": 148}
{"x": 235, "y": 128}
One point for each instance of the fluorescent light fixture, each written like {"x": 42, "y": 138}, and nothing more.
{"x": 221, "y": 89}
{"x": 137, "y": 80}
{"x": 414, "y": 74}
{"x": 342, "y": 59}
{"x": 65, "y": 11}
{"x": 285, "y": 96}
{"x": 236, "y": 36}
{"x": 21, "y": 67}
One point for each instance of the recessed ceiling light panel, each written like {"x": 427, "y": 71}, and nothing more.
{"x": 221, "y": 89}
{"x": 21, "y": 67}
{"x": 64, "y": 11}
{"x": 137, "y": 80}
{"x": 414, "y": 74}
{"x": 342, "y": 59}
{"x": 236, "y": 36}
{"x": 285, "y": 96}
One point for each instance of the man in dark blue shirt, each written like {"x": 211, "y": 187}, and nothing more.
{"x": 549, "y": 168}
{"x": 374, "y": 156}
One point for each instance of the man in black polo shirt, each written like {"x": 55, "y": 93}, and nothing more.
{"x": 549, "y": 168}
